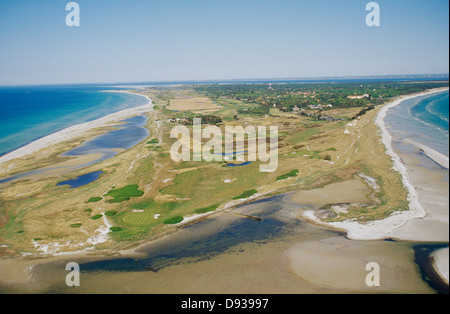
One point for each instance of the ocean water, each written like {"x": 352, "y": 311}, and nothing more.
{"x": 29, "y": 113}
{"x": 423, "y": 119}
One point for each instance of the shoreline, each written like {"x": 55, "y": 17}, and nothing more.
{"x": 434, "y": 155}
{"x": 76, "y": 130}
{"x": 440, "y": 264}
{"x": 382, "y": 229}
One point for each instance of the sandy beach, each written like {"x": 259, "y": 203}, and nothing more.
{"x": 441, "y": 260}
{"x": 389, "y": 227}
{"x": 76, "y": 130}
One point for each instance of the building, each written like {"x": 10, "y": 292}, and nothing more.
{"x": 358, "y": 96}
{"x": 184, "y": 121}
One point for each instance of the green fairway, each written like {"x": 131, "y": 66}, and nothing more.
{"x": 124, "y": 194}
{"x": 94, "y": 199}
{"x": 173, "y": 220}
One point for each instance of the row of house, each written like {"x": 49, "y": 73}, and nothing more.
{"x": 183, "y": 120}
{"x": 320, "y": 106}
{"x": 320, "y": 117}
{"x": 358, "y": 96}
{"x": 297, "y": 109}
{"x": 329, "y": 118}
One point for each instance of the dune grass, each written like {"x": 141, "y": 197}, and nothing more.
{"x": 206, "y": 209}
{"x": 290, "y": 174}
{"x": 173, "y": 220}
{"x": 245, "y": 194}
{"x": 153, "y": 141}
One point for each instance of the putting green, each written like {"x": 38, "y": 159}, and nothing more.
{"x": 138, "y": 219}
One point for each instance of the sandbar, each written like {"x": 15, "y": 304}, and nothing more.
{"x": 441, "y": 263}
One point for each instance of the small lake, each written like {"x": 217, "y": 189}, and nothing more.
{"x": 82, "y": 180}
{"x": 239, "y": 165}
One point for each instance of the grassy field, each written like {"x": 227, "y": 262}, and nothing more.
{"x": 194, "y": 103}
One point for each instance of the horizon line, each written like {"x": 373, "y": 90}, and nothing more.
{"x": 306, "y": 78}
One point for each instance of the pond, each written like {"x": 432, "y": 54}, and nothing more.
{"x": 82, "y": 180}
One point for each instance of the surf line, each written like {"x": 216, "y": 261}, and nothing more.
{"x": 256, "y": 142}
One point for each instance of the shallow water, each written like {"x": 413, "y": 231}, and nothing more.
{"x": 225, "y": 253}
{"x": 127, "y": 135}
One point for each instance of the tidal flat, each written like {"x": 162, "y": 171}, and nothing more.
{"x": 231, "y": 253}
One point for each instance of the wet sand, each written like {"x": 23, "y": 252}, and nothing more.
{"x": 441, "y": 263}
{"x": 340, "y": 264}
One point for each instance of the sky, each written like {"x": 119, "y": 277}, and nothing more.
{"x": 174, "y": 40}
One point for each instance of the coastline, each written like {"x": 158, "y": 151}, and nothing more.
{"x": 76, "y": 130}
{"x": 133, "y": 251}
{"x": 383, "y": 229}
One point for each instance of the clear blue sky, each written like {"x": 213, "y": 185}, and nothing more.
{"x": 160, "y": 40}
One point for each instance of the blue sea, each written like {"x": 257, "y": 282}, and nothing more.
{"x": 29, "y": 113}
{"x": 424, "y": 119}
